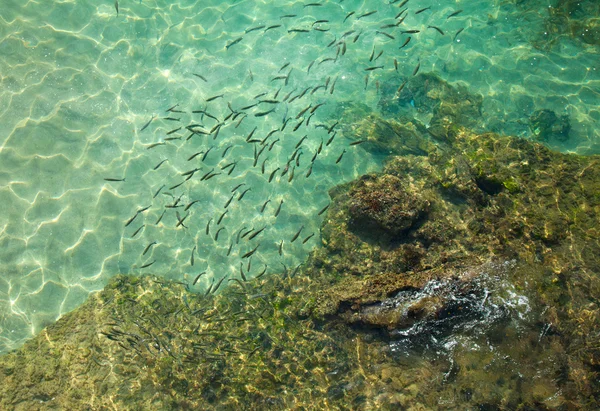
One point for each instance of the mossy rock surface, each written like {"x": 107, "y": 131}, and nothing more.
{"x": 459, "y": 218}
{"x": 491, "y": 198}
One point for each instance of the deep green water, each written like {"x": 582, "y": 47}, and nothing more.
{"x": 79, "y": 82}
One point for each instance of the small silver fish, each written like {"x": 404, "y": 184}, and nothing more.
{"x": 117, "y": 6}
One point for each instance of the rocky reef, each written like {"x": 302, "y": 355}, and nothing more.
{"x": 578, "y": 19}
{"x": 463, "y": 276}
{"x": 575, "y": 19}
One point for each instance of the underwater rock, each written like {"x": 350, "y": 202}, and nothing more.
{"x": 390, "y": 137}
{"x": 486, "y": 193}
{"x": 148, "y": 343}
{"x": 587, "y": 29}
{"x": 487, "y": 252}
{"x": 439, "y": 307}
{"x": 488, "y": 197}
{"x": 577, "y": 19}
{"x": 447, "y": 105}
{"x": 546, "y": 126}
{"x": 382, "y": 207}
{"x": 399, "y": 312}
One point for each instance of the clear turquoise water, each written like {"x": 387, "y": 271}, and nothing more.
{"x": 79, "y": 82}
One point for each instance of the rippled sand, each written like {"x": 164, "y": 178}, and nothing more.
{"x": 79, "y": 83}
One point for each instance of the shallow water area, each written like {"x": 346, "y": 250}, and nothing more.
{"x": 80, "y": 81}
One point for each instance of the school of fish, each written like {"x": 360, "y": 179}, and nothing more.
{"x": 218, "y": 142}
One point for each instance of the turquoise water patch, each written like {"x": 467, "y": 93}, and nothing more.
{"x": 78, "y": 84}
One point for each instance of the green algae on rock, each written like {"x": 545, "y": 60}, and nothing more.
{"x": 489, "y": 198}
{"x": 546, "y": 126}
{"x": 575, "y": 18}
{"x": 458, "y": 273}
{"x": 384, "y": 208}
{"x": 147, "y": 343}
{"x": 464, "y": 275}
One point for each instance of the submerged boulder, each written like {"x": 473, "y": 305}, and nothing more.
{"x": 546, "y": 126}
{"x": 480, "y": 202}
{"x": 427, "y": 94}
{"x": 383, "y": 208}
